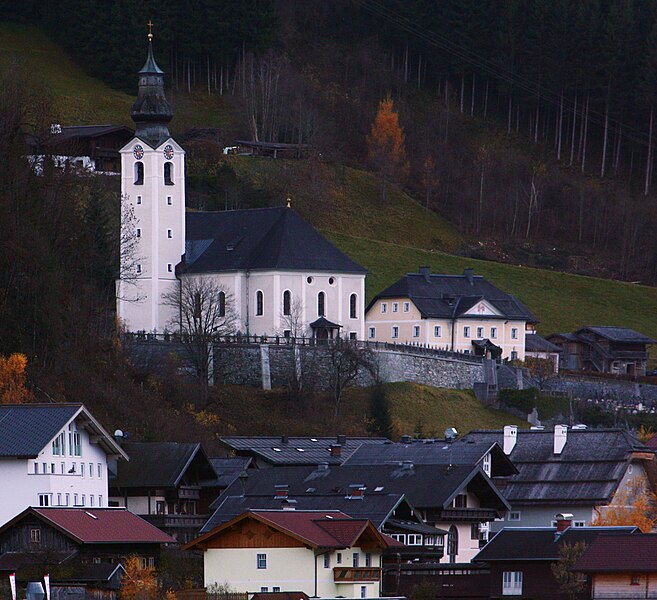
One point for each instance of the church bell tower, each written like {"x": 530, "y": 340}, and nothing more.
{"x": 152, "y": 208}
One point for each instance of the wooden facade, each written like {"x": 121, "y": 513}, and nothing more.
{"x": 250, "y": 533}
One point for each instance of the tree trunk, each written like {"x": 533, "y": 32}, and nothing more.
{"x": 586, "y": 131}
{"x": 606, "y": 135}
{"x": 462, "y": 90}
{"x": 572, "y": 134}
{"x": 646, "y": 186}
{"x": 486, "y": 100}
{"x": 472, "y": 99}
{"x": 508, "y": 126}
{"x": 560, "y": 126}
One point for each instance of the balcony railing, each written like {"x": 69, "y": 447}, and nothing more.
{"x": 178, "y": 521}
{"x": 352, "y": 574}
{"x": 189, "y": 492}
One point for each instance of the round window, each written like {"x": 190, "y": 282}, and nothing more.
{"x": 331, "y": 280}
{"x": 309, "y": 279}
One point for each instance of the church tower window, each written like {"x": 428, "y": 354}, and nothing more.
{"x": 168, "y": 173}
{"x": 222, "y": 304}
{"x": 260, "y": 302}
{"x": 139, "y": 173}
{"x": 287, "y": 303}
{"x": 321, "y": 304}
{"x": 353, "y": 306}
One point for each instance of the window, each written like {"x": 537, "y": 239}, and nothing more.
{"x": 363, "y": 591}
{"x": 480, "y": 332}
{"x": 493, "y": 333}
{"x": 437, "y": 331}
{"x": 91, "y": 500}
{"x": 147, "y": 562}
{"x": 52, "y": 468}
{"x": 264, "y": 589}
{"x": 474, "y": 531}
{"x": 514, "y": 355}
{"x": 62, "y": 467}
{"x": 169, "y": 200}
{"x": 579, "y": 523}
{"x": 338, "y": 558}
{"x": 82, "y": 469}
{"x": 486, "y": 464}
{"x": 453, "y": 543}
{"x": 353, "y": 335}
{"x": 59, "y": 445}
{"x": 44, "y": 468}
{"x": 635, "y": 580}
{"x": 353, "y": 306}
{"x": 466, "y": 332}
{"x": 138, "y": 232}
{"x": 287, "y": 333}
{"x": 416, "y": 331}
{"x": 138, "y": 199}
{"x": 169, "y": 268}
{"x": 44, "y": 499}
{"x": 222, "y": 304}
{"x": 321, "y": 304}
{"x": 513, "y": 515}
{"x": 407, "y": 306}
{"x": 331, "y": 280}
{"x": 327, "y": 561}
{"x": 395, "y": 307}
{"x": 75, "y": 500}
{"x": 309, "y": 280}
{"x": 260, "y": 301}
{"x": 414, "y": 539}
{"x": 100, "y": 500}
{"x": 276, "y": 589}
{"x": 512, "y": 583}
{"x": 169, "y": 233}
{"x": 400, "y": 537}
{"x": 287, "y": 303}
{"x": 395, "y": 332}
{"x": 91, "y": 470}
{"x": 59, "y": 499}
{"x": 68, "y": 499}
{"x": 168, "y": 173}
{"x": 461, "y": 501}
{"x": 84, "y": 499}
{"x": 138, "y": 268}
{"x": 35, "y": 535}
{"x": 100, "y": 470}
{"x": 371, "y": 333}
{"x": 139, "y": 173}
{"x": 368, "y": 559}
{"x": 384, "y": 308}
{"x": 514, "y": 333}
{"x": 261, "y": 561}
{"x": 355, "y": 560}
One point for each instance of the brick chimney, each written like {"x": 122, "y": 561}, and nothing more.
{"x": 356, "y": 491}
{"x": 560, "y": 438}
{"x": 564, "y": 521}
{"x": 510, "y": 438}
{"x": 341, "y": 439}
{"x": 336, "y": 450}
{"x": 281, "y": 491}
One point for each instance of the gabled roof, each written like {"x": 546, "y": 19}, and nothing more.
{"x": 228, "y": 470}
{"x": 588, "y": 470}
{"x": 618, "y": 334}
{"x": 537, "y": 343}
{"x": 376, "y": 508}
{"x": 160, "y": 464}
{"x": 539, "y": 543}
{"x": 80, "y": 132}
{"x": 451, "y": 296}
{"x": 256, "y": 239}
{"x": 25, "y": 429}
{"x": 316, "y": 529}
{"x": 620, "y": 554}
{"x": 96, "y": 525}
{"x": 279, "y": 450}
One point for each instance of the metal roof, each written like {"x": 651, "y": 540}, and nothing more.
{"x": 537, "y": 343}
{"x": 617, "y": 553}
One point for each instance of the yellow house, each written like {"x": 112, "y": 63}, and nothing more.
{"x": 461, "y": 313}
{"x": 322, "y": 553}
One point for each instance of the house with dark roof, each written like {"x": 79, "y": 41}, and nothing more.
{"x": 521, "y": 559}
{"x": 453, "y": 498}
{"x": 77, "y": 545}
{"x": 169, "y": 484}
{"x": 615, "y": 350}
{"x": 567, "y": 470}
{"x": 323, "y": 553}
{"x": 460, "y": 313}
{"x": 278, "y": 275}
{"x": 621, "y": 566}
{"x": 53, "y": 455}
{"x": 537, "y": 346}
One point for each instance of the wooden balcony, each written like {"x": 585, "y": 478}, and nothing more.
{"x": 354, "y": 574}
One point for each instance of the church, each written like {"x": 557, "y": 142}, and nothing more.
{"x": 278, "y": 275}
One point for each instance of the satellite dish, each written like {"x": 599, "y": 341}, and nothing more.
{"x": 450, "y": 434}
{"x": 118, "y": 433}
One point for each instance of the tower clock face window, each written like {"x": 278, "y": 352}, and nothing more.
{"x": 138, "y": 152}
{"x": 168, "y": 152}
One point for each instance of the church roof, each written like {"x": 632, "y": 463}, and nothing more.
{"x": 258, "y": 239}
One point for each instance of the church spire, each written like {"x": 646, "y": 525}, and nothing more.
{"x": 151, "y": 111}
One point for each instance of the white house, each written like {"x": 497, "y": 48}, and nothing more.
{"x": 279, "y": 272}
{"x": 325, "y": 554}
{"x": 52, "y": 455}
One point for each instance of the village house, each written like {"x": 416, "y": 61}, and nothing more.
{"x": 324, "y": 554}
{"x": 521, "y": 559}
{"x": 615, "y": 350}
{"x": 538, "y": 347}
{"x": 270, "y": 269}
{"x": 567, "y": 470}
{"x": 621, "y": 566}
{"x": 460, "y": 313}
{"x": 53, "y": 455}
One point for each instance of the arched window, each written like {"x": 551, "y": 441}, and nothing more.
{"x": 353, "y": 306}
{"x": 139, "y": 173}
{"x": 222, "y": 304}
{"x": 453, "y": 543}
{"x": 168, "y": 173}
{"x": 321, "y": 304}
{"x": 260, "y": 303}
{"x": 287, "y": 303}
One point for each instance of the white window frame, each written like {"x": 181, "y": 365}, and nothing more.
{"x": 437, "y": 331}
{"x": 466, "y": 331}
{"x": 355, "y": 560}
{"x": 170, "y": 234}
{"x": 493, "y": 333}
{"x": 480, "y": 332}
{"x": 327, "y": 561}
{"x": 371, "y": 333}
{"x": 45, "y": 500}
{"x": 169, "y": 201}
{"x": 406, "y": 306}
{"x": 395, "y": 307}
{"x": 416, "y": 331}
{"x": 514, "y": 333}
{"x": 384, "y": 308}
{"x": 394, "y": 332}
{"x": 512, "y": 583}
{"x": 414, "y": 539}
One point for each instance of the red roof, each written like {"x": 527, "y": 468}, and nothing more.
{"x": 621, "y": 553}
{"x": 324, "y": 529}
{"x": 101, "y": 525}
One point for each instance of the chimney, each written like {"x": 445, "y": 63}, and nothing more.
{"x": 407, "y": 465}
{"x": 285, "y": 440}
{"x": 426, "y": 273}
{"x": 336, "y": 450}
{"x": 323, "y": 466}
{"x": 356, "y": 491}
{"x": 469, "y": 275}
{"x": 405, "y": 439}
{"x": 281, "y": 491}
{"x": 510, "y": 438}
{"x": 342, "y": 440}
{"x": 564, "y": 521}
{"x": 560, "y": 438}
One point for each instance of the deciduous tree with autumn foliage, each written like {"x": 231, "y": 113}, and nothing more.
{"x": 13, "y": 379}
{"x": 635, "y": 505}
{"x": 138, "y": 582}
{"x": 385, "y": 147}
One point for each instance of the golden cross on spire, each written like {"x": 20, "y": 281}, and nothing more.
{"x": 150, "y": 30}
